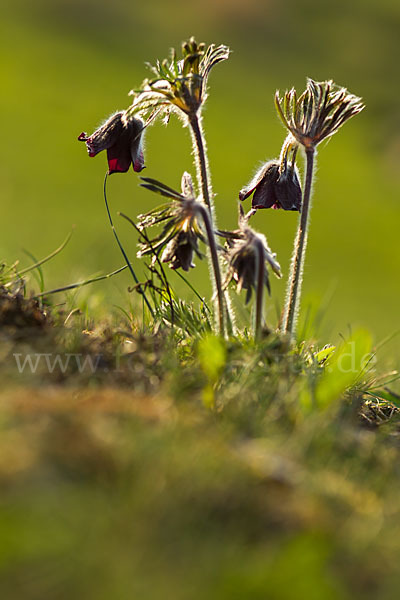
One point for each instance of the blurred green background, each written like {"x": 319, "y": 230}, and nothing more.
{"x": 68, "y": 64}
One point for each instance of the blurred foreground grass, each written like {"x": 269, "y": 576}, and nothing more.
{"x": 113, "y": 494}
{"x": 185, "y": 467}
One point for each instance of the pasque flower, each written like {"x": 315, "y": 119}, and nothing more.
{"x": 181, "y": 228}
{"x": 182, "y": 219}
{"x": 274, "y": 187}
{"x": 179, "y": 251}
{"x": 179, "y": 84}
{"x": 244, "y": 248}
{"x": 314, "y": 116}
{"x": 121, "y": 135}
{"x": 318, "y": 112}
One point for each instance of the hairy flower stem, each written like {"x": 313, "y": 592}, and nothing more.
{"x": 300, "y": 245}
{"x": 205, "y": 186}
{"x": 205, "y": 215}
{"x": 201, "y": 161}
{"x": 260, "y": 290}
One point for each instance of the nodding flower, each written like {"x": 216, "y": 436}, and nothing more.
{"x": 121, "y": 135}
{"x": 274, "y": 186}
{"x": 244, "y": 246}
{"x": 180, "y": 249}
{"x": 181, "y": 226}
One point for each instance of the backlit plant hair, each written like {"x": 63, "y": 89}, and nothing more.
{"x": 182, "y": 220}
{"x": 180, "y": 86}
{"x": 248, "y": 255}
{"x": 187, "y": 219}
{"x": 310, "y": 118}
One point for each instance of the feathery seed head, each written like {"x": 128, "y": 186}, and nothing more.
{"x": 318, "y": 113}
{"x": 179, "y": 84}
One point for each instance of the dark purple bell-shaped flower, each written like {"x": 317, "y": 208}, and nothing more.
{"x": 121, "y": 136}
{"x": 179, "y": 251}
{"x": 274, "y": 188}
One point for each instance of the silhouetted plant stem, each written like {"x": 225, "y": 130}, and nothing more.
{"x": 205, "y": 214}
{"x": 260, "y": 290}
{"x": 123, "y": 251}
{"x": 73, "y": 286}
{"x": 205, "y": 186}
{"x": 297, "y": 266}
{"x": 201, "y": 160}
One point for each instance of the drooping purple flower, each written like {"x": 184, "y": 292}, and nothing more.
{"x": 180, "y": 250}
{"x": 180, "y": 220}
{"x": 121, "y": 136}
{"x": 242, "y": 255}
{"x": 274, "y": 187}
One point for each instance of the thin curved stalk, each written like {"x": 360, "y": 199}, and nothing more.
{"x": 37, "y": 264}
{"x": 73, "y": 286}
{"x": 49, "y": 257}
{"x": 204, "y": 183}
{"x": 205, "y": 215}
{"x": 297, "y": 266}
{"x": 128, "y": 264}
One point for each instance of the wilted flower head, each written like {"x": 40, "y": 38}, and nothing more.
{"x": 318, "y": 113}
{"x": 181, "y": 229}
{"x": 179, "y": 250}
{"x": 274, "y": 186}
{"x": 179, "y": 84}
{"x": 121, "y": 135}
{"x": 242, "y": 255}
